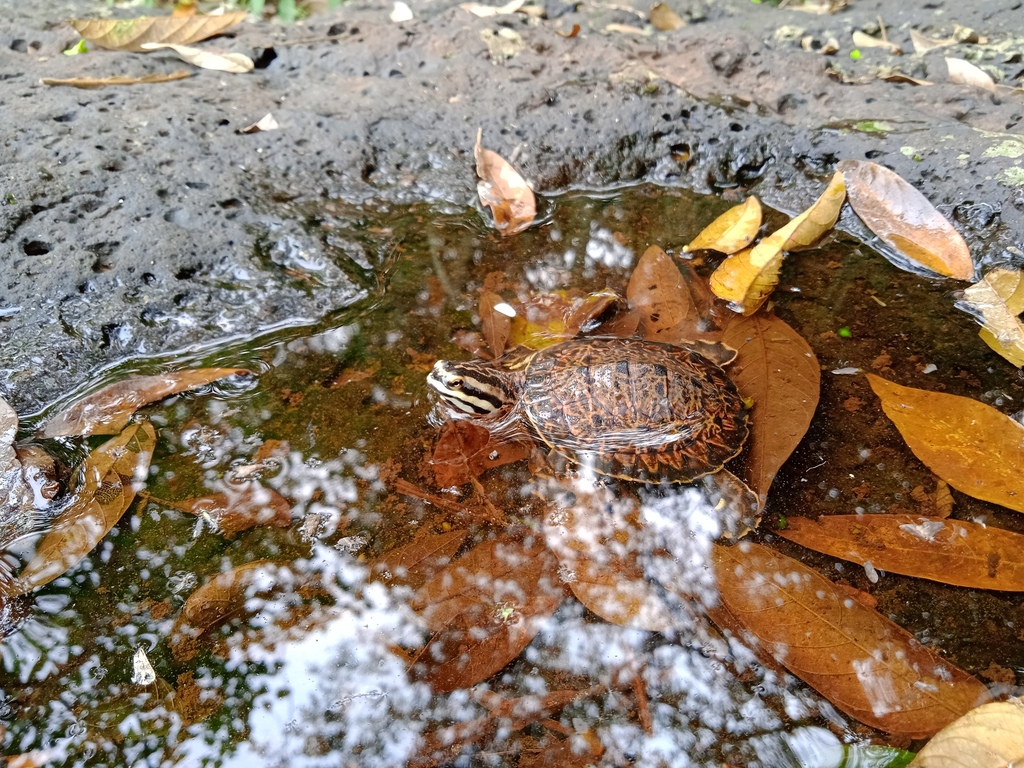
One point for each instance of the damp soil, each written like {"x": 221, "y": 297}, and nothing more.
{"x": 342, "y": 407}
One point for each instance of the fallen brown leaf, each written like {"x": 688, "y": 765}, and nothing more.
{"x": 465, "y": 450}
{"x": 87, "y": 83}
{"x": 240, "y": 507}
{"x": 131, "y": 34}
{"x": 504, "y": 191}
{"x": 664, "y": 18}
{"x": 417, "y": 561}
{"x": 673, "y": 307}
{"x": 902, "y": 217}
{"x": 861, "y": 40}
{"x": 970, "y": 445}
{"x": 863, "y": 663}
{"x": 495, "y": 324}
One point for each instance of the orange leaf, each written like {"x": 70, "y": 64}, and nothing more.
{"x": 130, "y": 34}
{"x": 777, "y": 369}
{"x": 863, "y": 663}
{"x": 107, "y": 412}
{"x": 465, "y": 450}
{"x": 496, "y": 325}
{"x": 418, "y": 560}
{"x": 902, "y": 217}
{"x": 504, "y": 191}
{"x": 732, "y": 231}
{"x": 668, "y": 310}
{"x": 240, "y": 507}
{"x": 970, "y": 445}
{"x": 949, "y": 551}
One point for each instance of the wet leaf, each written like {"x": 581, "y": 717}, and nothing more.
{"x": 904, "y": 219}
{"x": 495, "y": 321}
{"x": 953, "y": 552}
{"x": 224, "y": 596}
{"x": 484, "y": 609}
{"x": 998, "y": 301}
{"x": 965, "y": 73}
{"x": 504, "y": 191}
{"x": 861, "y": 40}
{"x": 747, "y": 278}
{"x": 866, "y": 665}
{"x": 548, "y": 318}
{"x": 107, "y": 412}
{"x": 240, "y": 507}
{"x": 235, "y": 63}
{"x": 88, "y": 83}
{"x": 664, "y": 18}
{"x": 131, "y": 34}
{"x": 419, "y": 560}
{"x": 990, "y": 736}
{"x": 579, "y": 750}
{"x": 15, "y": 495}
{"x": 776, "y": 369}
{"x": 102, "y": 495}
{"x": 671, "y": 308}
{"x": 923, "y": 43}
{"x": 465, "y": 450}
{"x": 733, "y": 231}
{"x": 970, "y": 445}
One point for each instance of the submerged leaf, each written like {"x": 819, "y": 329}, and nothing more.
{"x": 419, "y": 560}
{"x": 732, "y": 231}
{"x": 495, "y": 324}
{"x": 465, "y": 450}
{"x": 670, "y": 307}
{"x": 970, "y": 445}
{"x": 998, "y": 301}
{"x": 990, "y": 736}
{"x": 776, "y": 369}
{"x": 131, "y": 34}
{"x": 240, "y": 507}
{"x": 104, "y": 493}
{"x": 504, "y": 191}
{"x": 484, "y": 609}
{"x": 904, "y": 219}
{"x": 866, "y": 665}
{"x": 106, "y": 412}
{"x": 953, "y": 552}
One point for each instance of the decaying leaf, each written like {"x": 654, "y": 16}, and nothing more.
{"x": 733, "y": 231}
{"x": 970, "y": 445}
{"x": 414, "y": 563}
{"x": 504, "y": 191}
{"x": 673, "y": 305}
{"x": 998, "y": 301}
{"x": 236, "y": 63}
{"x": 862, "y": 40}
{"x": 866, "y": 665}
{"x": 965, "y": 73}
{"x": 747, "y": 278}
{"x": 495, "y": 321}
{"x": 104, "y": 492}
{"x": 107, "y": 412}
{"x": 778, "y": 371}
{"x": 990, "y": 736}
{"x": 240, "y": 507}
{"x": 664, "y": 18}
{"x": 904, "y": 219}
{"x": 922, "y": 43}
{"x": 132, "y": 34}
{"x": 955, "y": 552}
{"x": 484, "y": 609}
{"x": 465, "y": 450}
{"x": 88, "y": 83}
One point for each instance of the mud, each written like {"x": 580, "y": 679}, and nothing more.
{"x": 137, "y": 222}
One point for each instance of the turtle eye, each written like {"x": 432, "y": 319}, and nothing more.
{"x": 455, "y": 383}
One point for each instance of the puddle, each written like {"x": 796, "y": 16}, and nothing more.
{"x": 305, "y": 662}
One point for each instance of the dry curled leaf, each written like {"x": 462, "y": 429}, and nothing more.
{"x": 990, "y": 736}
{"x": 235, "y": 63}
{"x": 998, "y": 301}
{"x": 484, "y": 609}
{"x": 965, "y": 73}
{"x": 778, "y": 371}
{"x": 132, "y": 34}
{"x": 504, "y": 191}
{"x": 88, "y": 83}
{"x": 955, "y": 552}
{"x": 970, "y": 445}
{"x": 863, "y": 663}
{"x": 904, "y": 219}
{"x": 664, "y": 18}
{"x": 862, "y": 40}
{"x": 733, "y": 231}
{"x": 746, "y": 279}
{"x": 923, "y": 43}
{"x": 104, "y": 492}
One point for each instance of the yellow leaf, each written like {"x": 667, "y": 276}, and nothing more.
{"x": 732, "y": 231}
{"x": 131, "y": 34}
{"x": 970, "y": 445}
{"x": 997, "y": 300}
{"x": 989, "y": 736}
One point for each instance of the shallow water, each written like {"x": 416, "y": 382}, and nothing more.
{"x": 317, "y": 667}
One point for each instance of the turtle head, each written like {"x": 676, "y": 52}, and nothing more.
{"x": 474, "y": 389}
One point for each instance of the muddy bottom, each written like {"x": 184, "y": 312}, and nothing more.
{"x": 312, "y": 655}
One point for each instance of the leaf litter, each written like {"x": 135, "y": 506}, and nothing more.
{"x": 133, "y": 34}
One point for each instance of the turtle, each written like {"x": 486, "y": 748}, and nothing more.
{"x": 628, "y": 408}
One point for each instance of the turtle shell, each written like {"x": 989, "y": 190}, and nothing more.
{"x": 634, "y": 409}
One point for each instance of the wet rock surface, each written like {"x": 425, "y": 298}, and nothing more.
{"x": 138, "y": 222}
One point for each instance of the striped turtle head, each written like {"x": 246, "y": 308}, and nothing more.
{"x": 472, "y": 389}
